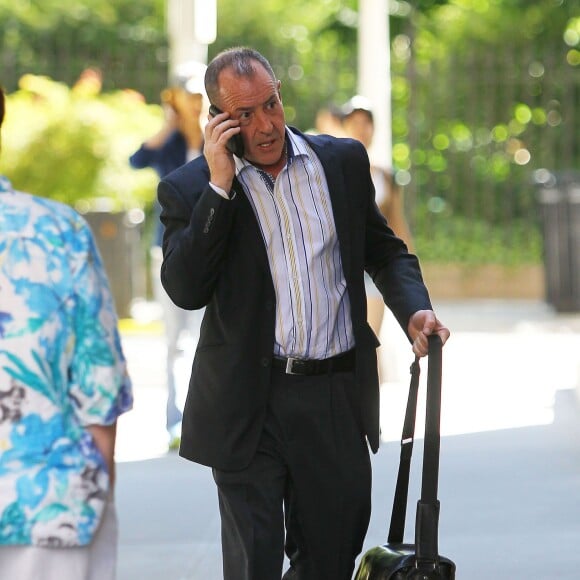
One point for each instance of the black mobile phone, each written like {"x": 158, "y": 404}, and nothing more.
{"x": 235, "y": 144}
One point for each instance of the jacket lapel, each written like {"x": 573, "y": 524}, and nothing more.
{"x": 247, "y": 216}
{"x": 333, "y": 170}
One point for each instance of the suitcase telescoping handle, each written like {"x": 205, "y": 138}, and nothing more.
{"x": 427, "y": 518}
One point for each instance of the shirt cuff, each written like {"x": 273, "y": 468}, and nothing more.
{"x": 222, "y": 192}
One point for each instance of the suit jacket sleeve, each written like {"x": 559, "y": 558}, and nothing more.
{"x": 197, "y": 222}
{"x": 394, "y": 270}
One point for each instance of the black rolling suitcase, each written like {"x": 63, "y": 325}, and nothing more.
{"x": 421, "y": 560}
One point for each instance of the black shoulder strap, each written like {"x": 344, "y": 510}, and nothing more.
{"x": 399, "y": 513}
{"x": 428, "y": 507}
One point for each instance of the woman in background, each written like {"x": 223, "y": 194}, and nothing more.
{"x": 179, "y": 140}
{"x": 358, "y": 123}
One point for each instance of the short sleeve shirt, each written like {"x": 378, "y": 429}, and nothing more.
{"x": 61, "y": 369}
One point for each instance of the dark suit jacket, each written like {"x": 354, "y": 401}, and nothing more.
{"x": 214, "y": 256}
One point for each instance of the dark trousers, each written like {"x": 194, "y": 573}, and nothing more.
{"x": 311, "y": 475}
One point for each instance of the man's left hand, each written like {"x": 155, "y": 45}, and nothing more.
{"x": 422, "y": 324}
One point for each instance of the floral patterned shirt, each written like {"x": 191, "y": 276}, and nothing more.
{"x": 61, "y": 369}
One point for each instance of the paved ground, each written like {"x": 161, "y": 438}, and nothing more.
{"x": 510, "y": 453}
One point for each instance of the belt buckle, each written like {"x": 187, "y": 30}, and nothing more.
{"x": 289, "y": 364}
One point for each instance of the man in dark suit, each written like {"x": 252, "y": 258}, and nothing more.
{"x": 284, "y": 396}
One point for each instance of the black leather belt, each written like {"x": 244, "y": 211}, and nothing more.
{"x": 343, "y": 362}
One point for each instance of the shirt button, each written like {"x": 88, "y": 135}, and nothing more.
{"x": 265, "y": 361}
{"x": 269, "y": 305}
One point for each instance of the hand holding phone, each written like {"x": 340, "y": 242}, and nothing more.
{"x": 235, "y": 144}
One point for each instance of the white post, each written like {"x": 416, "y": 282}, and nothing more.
{"x": 191, "y": 27}
{"x": 374, "y": 69}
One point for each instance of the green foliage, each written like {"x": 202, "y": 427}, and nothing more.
{"x": 60, "y": 39}
{"x": 443, "y": 237}
{"x": 101, "y": 14}
{"x": 73, "y": 144}
{"x": 483, "y": 95}
{"x": 479, "y": 96}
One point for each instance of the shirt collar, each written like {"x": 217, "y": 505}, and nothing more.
{"x": 295, "y": 147}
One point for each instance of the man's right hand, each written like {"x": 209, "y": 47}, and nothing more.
{"x": 218, "y": 131}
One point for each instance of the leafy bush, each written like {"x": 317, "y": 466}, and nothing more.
{"x": 445, "y": 237}
{"x": 73, "y": 144}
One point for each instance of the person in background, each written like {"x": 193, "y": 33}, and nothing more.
{"x": 179, "y": 140}
{"x": 283, "y": 401}
{"x": 63, "y": 384}
{"x": 358, "y": 123}
{"x": 328, "y": 121}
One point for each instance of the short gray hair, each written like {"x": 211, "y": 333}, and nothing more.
{"x": 241, "y": 60}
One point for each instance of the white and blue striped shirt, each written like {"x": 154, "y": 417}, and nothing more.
{"x": 295, "y": 216}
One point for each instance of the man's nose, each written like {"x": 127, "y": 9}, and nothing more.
{"x": 264, "y": 122}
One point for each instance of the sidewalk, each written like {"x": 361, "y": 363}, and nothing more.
{"x": 510, "y": 454}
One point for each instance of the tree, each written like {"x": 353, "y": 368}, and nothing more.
{"x": 484, "y": 91}
{"x": 78, "y": 141}
{"x": 126, "y": 40}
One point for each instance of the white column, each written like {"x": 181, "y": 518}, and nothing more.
{"x": 374, "y": 70}
{"x": 191, "y": 27}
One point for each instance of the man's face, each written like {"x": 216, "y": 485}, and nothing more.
{"x": 255, "y": 102}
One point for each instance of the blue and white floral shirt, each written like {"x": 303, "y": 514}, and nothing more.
{"x": 61, "y": 368}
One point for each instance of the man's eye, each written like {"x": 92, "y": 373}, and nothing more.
{"x": 244, "y": 118}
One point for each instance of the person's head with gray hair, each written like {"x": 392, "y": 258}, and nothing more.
{"x": 241, "y": 60}
{"x": 241, "y": 85}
